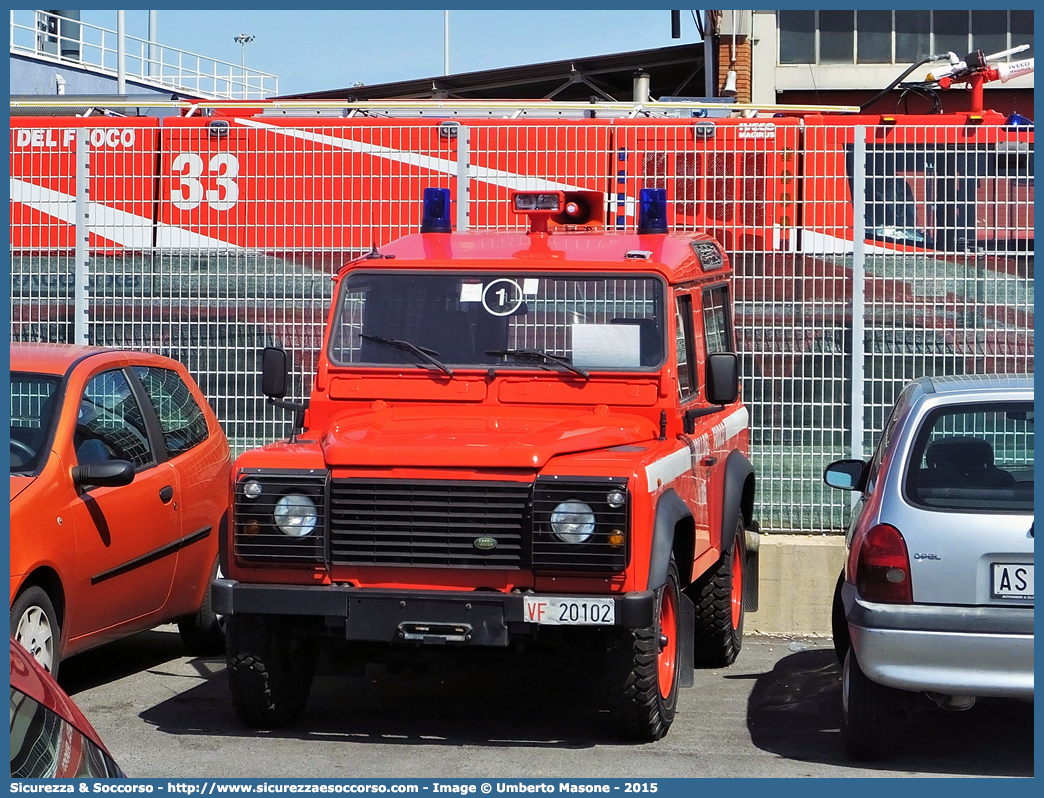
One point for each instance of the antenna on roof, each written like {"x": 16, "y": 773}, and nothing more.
{"x": 373, "y": 239}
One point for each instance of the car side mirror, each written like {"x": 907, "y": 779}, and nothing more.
{"x": 107, "y": 474}
{"x": 845, "y": 474}
{"x": 722, "y": 378}
{"x": 722, "y": 370}
{"x": 273, "y": 372}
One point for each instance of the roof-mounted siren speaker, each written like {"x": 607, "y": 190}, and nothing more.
{"x": 581, "y": 209}
{"x": 652, "y": 211}
{"x": 435, "y": 213}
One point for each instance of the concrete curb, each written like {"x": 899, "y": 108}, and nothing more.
{"x": 797, "y": 574}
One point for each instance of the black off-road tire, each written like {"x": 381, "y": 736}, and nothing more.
{"x": 269, "y": 670}
{"x": 42, "y": 634}
{"x": 868, "y": 718}
{"x": 203, "y": 633}
{"x": 839, "y": 623}
{"x": 718, "y": 640}
{"x": 638, "y": 710}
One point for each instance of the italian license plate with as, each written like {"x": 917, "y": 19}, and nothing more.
{"x": 569, "y": 611}
{"x": 1013, "y": 581}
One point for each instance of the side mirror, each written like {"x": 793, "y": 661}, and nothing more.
{"x": 108, "y": 474}
{"x": 845, "y": 474}
{"x": 273, "y": 372}
{"x": 722, "y": 378}
{"x": 722, "y": 388}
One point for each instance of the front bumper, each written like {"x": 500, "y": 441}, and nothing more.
{"x": 953, "y": 650}
{"x": 484, "y": 618}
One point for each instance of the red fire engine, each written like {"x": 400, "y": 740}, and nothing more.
{"x": 285, "y": 176}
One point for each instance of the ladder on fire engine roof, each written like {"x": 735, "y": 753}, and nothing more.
{"x": 453, "y": 109}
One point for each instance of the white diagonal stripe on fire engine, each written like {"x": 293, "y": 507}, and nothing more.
{"x": 730, "y": 426}
{"x": 123, "y": 228}
{"x": 483, "y": 174}
{"x": 668, "y": 468}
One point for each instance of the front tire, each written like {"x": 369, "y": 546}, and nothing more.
{"x": 203, "y": 633}
{"x": 718, "y": 596}
{"x": 270, "y": 670}
{"x": 643, "y": 670}
{"x": 868, "y": 713}
{"x": 34, "y": 624}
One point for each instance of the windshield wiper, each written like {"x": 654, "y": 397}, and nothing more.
{"x": 540, "y": 357}
{"x": 427, "y": 355}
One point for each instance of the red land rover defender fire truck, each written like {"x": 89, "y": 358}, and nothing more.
{"x": 511, "y": 437}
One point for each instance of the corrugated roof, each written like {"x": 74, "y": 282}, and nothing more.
{"x": 672, "y": 70}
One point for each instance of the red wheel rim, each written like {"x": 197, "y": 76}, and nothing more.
{"x": 737, "y": 585}
{"x": 667, "y": 659}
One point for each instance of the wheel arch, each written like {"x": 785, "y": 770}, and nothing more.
{"x": 673, "y": 530}
{"x": 48, "y": 580}
{"x": 737, "y": 500}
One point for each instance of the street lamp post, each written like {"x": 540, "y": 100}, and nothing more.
{"x": 244, "y": 39}
{"x": 445, "y": 42}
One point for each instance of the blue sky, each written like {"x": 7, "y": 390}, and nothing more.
{"x": 314, "y": 50}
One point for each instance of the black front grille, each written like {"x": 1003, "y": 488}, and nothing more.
{"x": 595, "y": 554}
{"x": 256, "y": 536}
{"x": 430, "y": 523}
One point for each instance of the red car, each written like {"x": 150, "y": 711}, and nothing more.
{"x": 50, "y": 737}
{"x": 119, "y": 474}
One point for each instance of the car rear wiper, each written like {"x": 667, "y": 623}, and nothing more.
{"x": 427, "y": 355}
{"x": 541, "y": 357}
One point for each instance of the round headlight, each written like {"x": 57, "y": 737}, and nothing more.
{"x": 573, "y": 521}
{"x": 296, "y": 515}
{"x": 616, "y": 499}
{"x": 252, "y": 489}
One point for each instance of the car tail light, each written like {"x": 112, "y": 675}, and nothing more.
{"x": 883, "y": 567}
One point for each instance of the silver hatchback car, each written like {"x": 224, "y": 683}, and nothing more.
{"x": 937, "y": 593}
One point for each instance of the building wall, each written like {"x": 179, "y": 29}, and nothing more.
{"x": 33, "y": 76}
{"x": 835, "y": 84}
{"x": 742, "y": 66}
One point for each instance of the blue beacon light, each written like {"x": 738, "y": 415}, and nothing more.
{"x": 435, "y": 217}
{"x": 1015, "y": 119}
{"x": 652, "y": 211}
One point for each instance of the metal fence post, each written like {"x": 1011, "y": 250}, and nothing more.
{"x": 463, "y": 181}
{"x": 858, "y": 289}
{"x": 81, "y": 298}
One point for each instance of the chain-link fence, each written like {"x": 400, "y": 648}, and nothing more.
{"x": 206, "y": 239}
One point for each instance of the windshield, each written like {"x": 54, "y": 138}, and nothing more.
{"x": 33, "y": 405}
{"x": 496, "y": 319}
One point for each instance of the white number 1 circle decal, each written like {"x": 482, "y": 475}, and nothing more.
{"x": 502, "y": 297}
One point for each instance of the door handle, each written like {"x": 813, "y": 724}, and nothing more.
{"x": 166, "y": 494}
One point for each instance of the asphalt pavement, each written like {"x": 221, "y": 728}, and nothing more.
{"x": 775, "y": 713}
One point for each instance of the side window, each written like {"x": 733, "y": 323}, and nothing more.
{"x": 109, "y": 425}
{"x": 882, "y": 445}
{"x": 181, "y": 419}
{"x": 717, "y": 321}
{"x": 685, "y": 362}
